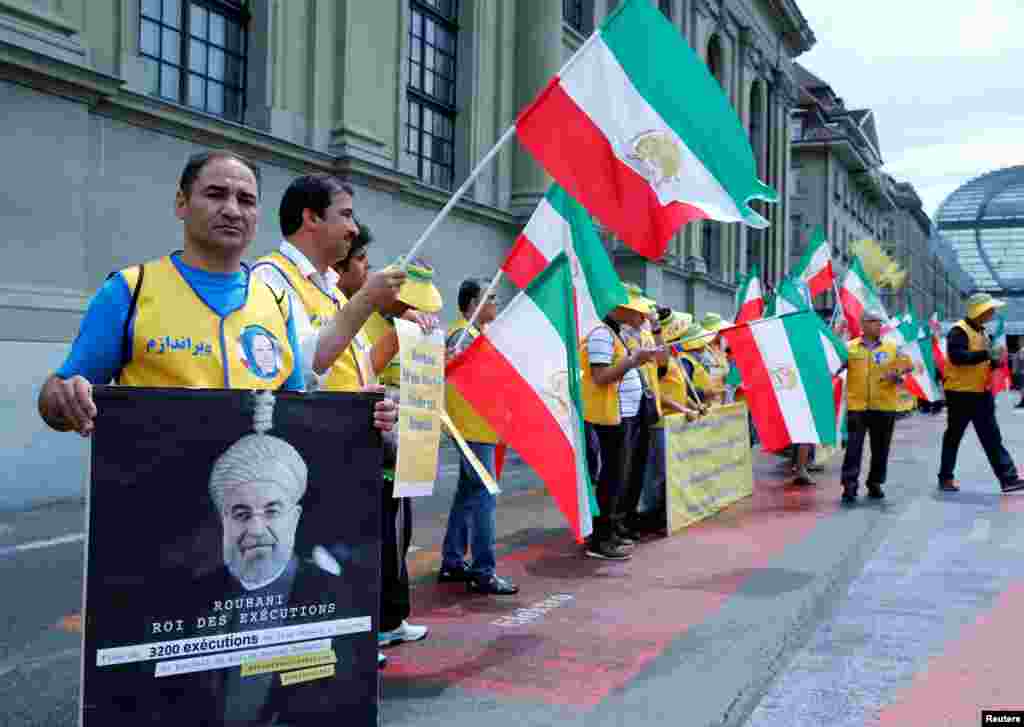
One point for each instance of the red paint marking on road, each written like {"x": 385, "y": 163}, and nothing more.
{"x": 622, "y": 616}
{"x": 981, "y": 670}
{"x": 1012, "y": 503}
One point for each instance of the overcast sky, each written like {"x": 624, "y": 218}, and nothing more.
{"x": 944, "y": 79}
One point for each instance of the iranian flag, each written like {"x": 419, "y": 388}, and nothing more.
{"x": 561, "y": 224}
{"x": 787, "y": 365}
{"x": 999, "y": 379}
{"x": 522, "y": 376}
{"x": 938, "y": 344}
{"x": 923, "y": 380}
{"x": 750, "y": 299}
{"x": 789, "y": 298}
{"x": 815, "y": 267}
{"x": 637, "y": 130}
{"x": 855, "y": 295}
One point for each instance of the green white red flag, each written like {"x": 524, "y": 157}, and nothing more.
{"x": 637, "y": 130}
{"x": 815, "y": 267}
{"x": 561, "y": 224}
{"x": 787, "y": 365}
{"x": 790, "y": 297}
{"x": 522, "y": 376}
{"x": 923, "y": 380}
{"x": 1000, "y": 378}
{"x": 750, "y": 298}
{"x": 856, "y": 294}
{"x": 938, "y": 344}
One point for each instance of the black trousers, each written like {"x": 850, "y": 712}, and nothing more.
{"x": 611, "y": 483}
{"x": 638, "y": 445}
{"x": 859, "y": 424}
{"x": 964, "y": 408}
{"x": 396, "y": 535}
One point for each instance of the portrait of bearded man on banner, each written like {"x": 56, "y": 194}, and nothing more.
{"x": 226, "y": 610}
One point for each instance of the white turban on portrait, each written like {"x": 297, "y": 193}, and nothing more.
{"x": 263, "y": 458}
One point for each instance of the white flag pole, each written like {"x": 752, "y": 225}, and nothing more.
{"x": 509, "y": 133}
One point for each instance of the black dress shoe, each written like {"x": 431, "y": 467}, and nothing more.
{"x": 875, "y": 492}
{"x": 492, "y": 586}
{"x": 1013, "y": 485}
{"x": 453, "y": 575}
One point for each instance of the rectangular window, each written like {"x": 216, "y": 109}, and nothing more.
{"x": 430, "y": 130}
{"x": 194, "y": 53}
{"x": 572, "y": 13}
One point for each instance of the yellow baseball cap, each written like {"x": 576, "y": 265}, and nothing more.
{"x": 418, "y": 290}
{"x": 637, "y": 300}
{"x": 979, "y": 303}
{"x": 676, "y": 325}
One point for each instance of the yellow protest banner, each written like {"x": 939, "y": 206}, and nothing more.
{"x": 421, "y": 401}
{"x": 708, "y": 463}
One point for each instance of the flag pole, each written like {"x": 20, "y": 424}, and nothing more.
{"x": 464, "y": 187}
{"x": 476, "y": 313}
{"x": 509, "y": 133}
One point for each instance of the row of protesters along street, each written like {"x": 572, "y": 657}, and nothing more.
{"x": 329, "y": 324}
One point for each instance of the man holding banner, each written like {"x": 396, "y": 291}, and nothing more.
{"x": 418, "y": 300}
{"x": 204, "y": 321}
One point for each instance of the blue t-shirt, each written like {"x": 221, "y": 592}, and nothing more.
{"x": 96, "y": 352}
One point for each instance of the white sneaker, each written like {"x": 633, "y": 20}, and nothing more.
{"x": 404, "y": 633}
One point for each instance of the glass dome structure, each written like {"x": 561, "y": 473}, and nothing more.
{"x": 984, "y": 223}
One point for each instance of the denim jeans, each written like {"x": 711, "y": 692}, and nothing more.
{"x": 655, "y": 475}
{"x": 471, "y": 520}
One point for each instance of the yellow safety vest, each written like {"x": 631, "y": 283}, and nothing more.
{"x": 672, "y": 386}
{"x": 179, "y": 341}
{"x": 969, "y": 378}
{"x": 470, "y": 424}
{"x": 347, "y": 373}
{"x": 601, "y": 403}
{"x": 649, "y": 371}
{"x": 701, "y": 378}
{"x": 865, "y": 387}
{"x": 376, "y": 328}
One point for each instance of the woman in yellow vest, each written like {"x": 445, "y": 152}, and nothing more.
{"x": 196, "y": 318}
{"x": 675, "y": 401}
{"x": 613, "y": 392}
{"x": 873, "y": 398}
{"x": 471, "y": 520}
{"x": 971, "y": 357}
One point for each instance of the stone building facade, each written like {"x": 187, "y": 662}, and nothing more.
{"x": 105, "y": 99}
{"x": 839, "y": 186}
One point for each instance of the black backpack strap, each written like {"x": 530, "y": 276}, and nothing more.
{"x": 126, "y": 339}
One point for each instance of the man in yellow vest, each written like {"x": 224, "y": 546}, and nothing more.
{"x": 675, "y": 400}
{"x": 971, "y": 358}
{"x": 239, "y": 334}
{"x": 318, "y": 227}
{"x": 876, "y": 369}
{"x": 471, "y": 521}
{"x": 647, "y": 336}
{"x": 612, "y": 396}
{"x": 417, "y": 301}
